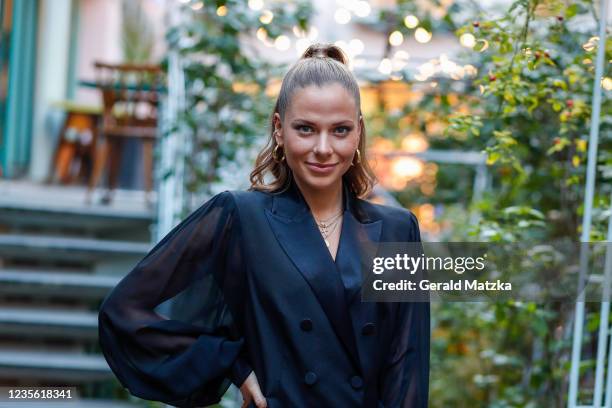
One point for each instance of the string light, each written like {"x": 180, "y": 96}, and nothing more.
{"x": 606, "y": 83}
{"x": 385, "y": 67}
{"x": 401, "y": 54}
{"x": 282, "y": 43}
{"x": 356, "y": 46}
{"x": 422, "y": 35}
{"x": 197, "y": 6}
{"x": 266, "y": 17}
{"x": 407, "y": 167}
{"x": 262, "y": 34}
{"x": 414, "y": 143}
{"x": 221, "y": 11}
{"x": 399, "y": 60}
{"x": 467, "y": 40}
{"x": 298, "y": 32}
{"x": 362, "y": 9}
{"x": 342, "y": 16}
{"x": 256, "y": 4}
{"x": 396, "y": 38}
{"x": 411, "y": 21}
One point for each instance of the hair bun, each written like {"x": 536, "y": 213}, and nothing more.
{"x": 325, "y": 51}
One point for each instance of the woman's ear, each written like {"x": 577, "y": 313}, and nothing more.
{"x": 278, "y": 134}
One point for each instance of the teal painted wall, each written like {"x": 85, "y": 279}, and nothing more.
{"x": 17, "y": 134}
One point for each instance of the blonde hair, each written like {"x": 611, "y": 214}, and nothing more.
{"x": 320, "y": 64}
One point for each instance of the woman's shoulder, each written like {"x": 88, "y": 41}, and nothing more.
{"x": 240, "y": 201}
{"x": 390, "y": 214}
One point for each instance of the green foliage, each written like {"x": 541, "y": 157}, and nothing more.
{"x": 529, "y": 110}
{"x": 227, "y": 105}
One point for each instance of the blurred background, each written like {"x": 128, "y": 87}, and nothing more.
{"x": 119, "y": 117}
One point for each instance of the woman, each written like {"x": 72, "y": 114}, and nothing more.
{"x": 265, "y": 283}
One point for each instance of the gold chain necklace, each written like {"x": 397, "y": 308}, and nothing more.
{"x": 328, "y": 226}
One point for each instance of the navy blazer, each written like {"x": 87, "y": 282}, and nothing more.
{"x": 246, "y": 283}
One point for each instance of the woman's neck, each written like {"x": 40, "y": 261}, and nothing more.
{"x": 323, "y": 203}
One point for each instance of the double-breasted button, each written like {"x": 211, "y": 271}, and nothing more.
{"x": 310, "y": 378}
{"x": 368, "y": 329}
{"x": 306, "y": 325}
{"x": 356, "y": 382}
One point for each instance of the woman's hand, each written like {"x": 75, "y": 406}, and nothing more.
{"x": 251, "y": 392}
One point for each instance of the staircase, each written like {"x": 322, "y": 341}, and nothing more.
{"x": 58, "y": 259}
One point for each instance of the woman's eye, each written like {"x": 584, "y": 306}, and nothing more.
{"x": 304, "y": 129}
{"x": 343, "y": 130}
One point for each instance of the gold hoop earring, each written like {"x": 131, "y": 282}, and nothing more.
{"x": 274, "y": 155}
{"x": 358, "y": 153}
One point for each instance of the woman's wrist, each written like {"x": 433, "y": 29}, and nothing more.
{"x": 240, "y": 371}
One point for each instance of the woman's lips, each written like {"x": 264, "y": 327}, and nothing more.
{"x": 321, "y": 168}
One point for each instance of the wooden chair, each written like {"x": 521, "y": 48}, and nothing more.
{"x": 76, "y": 145}
{"x": 130, "y": 95}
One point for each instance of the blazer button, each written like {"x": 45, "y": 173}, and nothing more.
{"x": 306, "y": 325}
{"x": 356, "y": 382}
{"x": 310, "y": 378}
{"x": 368, "y": 329}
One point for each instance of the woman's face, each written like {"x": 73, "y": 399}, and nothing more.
{"x": 319, "y": 135}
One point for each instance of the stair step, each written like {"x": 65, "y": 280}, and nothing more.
{"x": 59, "y": 247}
{"x": 98, "y": 219}
{"x": 52, "y": 365}
{"x": 74, "y": 285}
{"x": 62, "y": 324}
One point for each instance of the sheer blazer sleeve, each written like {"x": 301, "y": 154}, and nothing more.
{"x": 405, "y": 376}
{"x": 171, "y": 328}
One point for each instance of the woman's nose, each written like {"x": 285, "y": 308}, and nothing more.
{"x": 323, "y": 146}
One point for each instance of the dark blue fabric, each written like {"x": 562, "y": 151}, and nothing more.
{"x": 244, "y": 272}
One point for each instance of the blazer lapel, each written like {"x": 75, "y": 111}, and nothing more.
{"x": 357, "y": 241}
{"x": 296, "y": 231}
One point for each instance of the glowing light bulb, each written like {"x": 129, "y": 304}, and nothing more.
{"x": 362, "y": 9}
{"x": 266, "y": 17}
{"x": 356, "y": 46}
{"x": 407, "y": 167}
{"x": 422, "y": 35}
{"x": 221, "y": 11}
{"x": 467, "y": 40}
{"x": 411, "y": 21}
{"x": 342, "y": 16}
{"x": 262, "y": 34}
{"x": 256, "y": 4}
{"x": 396, "y": 38}
{"x": 401, "y": 54}
{"x": 282, "y": 43}
{"x": 414, "y": 143}
{"x": 386, "y": 66}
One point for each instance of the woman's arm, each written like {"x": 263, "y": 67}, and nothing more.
{"x": 405, "y": 375}
{"x": 190, "y": 358}
{"x": 405, "y": 378}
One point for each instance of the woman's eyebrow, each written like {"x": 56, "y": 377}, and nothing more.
{"x": 304, "y": 121}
